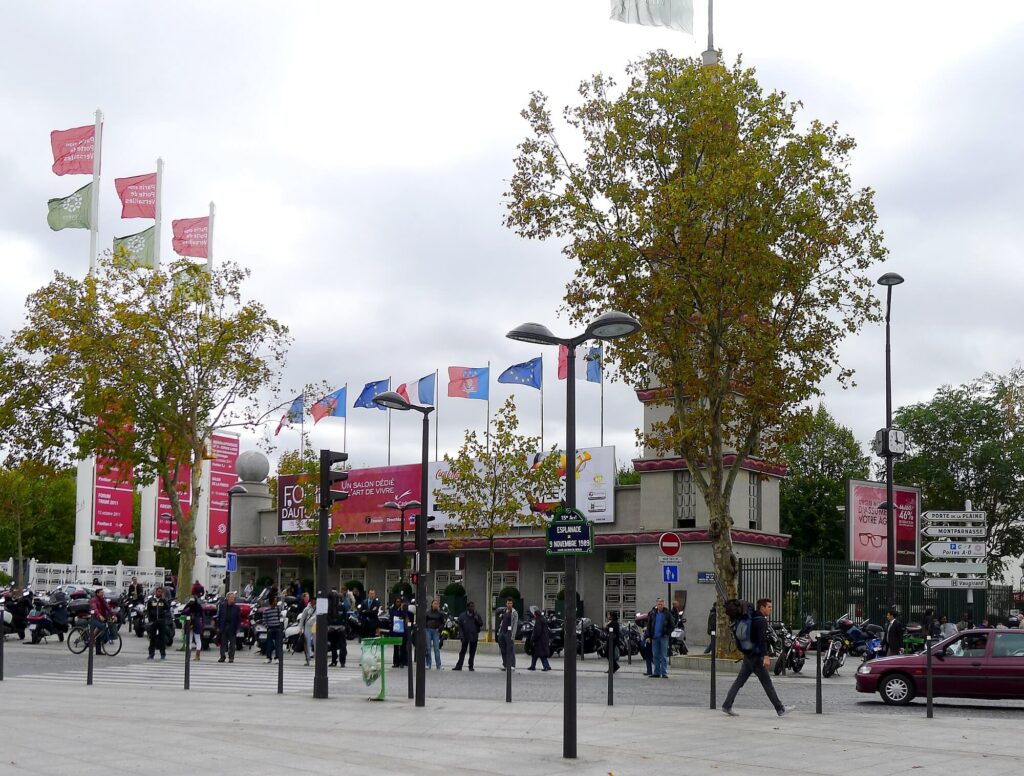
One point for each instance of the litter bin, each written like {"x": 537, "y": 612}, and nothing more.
{"x": 372, "y": 664}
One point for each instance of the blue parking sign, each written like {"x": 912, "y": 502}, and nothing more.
{"x": 670, "y": 573}
{"x": 232, "y": 562}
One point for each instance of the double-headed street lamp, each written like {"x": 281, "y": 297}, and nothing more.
{"x": 402, "y": 507}
{"x": 607, "y": 326}
{"x": 395, "y": 401}
{"x": 235, "y": 490}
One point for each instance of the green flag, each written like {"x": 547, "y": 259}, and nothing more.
{"x": 136, "y": 248}
{"x": 71, "y": 212}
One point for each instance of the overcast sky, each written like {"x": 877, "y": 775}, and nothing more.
{"x": 358, "y": 153}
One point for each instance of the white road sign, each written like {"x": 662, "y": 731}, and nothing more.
{"x": 949, "y": 517}
{"x": 955, "y": 549}
{"x": 951, "y": 582}
{"x": 955, "y": 531}
{"x": 952, "y": 567}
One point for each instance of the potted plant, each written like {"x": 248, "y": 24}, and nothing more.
{"x": 454, "y": 597}
{"x": 560, "y": 604}
{"x": 506, "y": 593}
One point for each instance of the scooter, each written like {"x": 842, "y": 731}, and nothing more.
{"x": 42, "y": 623}
{"x": 677, "y": 641}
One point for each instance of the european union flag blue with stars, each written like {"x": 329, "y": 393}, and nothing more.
{"x": 529, "y": 373}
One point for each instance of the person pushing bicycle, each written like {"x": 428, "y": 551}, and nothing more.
{"x": 102, "y": 617}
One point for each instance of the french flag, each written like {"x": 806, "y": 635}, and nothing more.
{"x": 419, "y": 391}
{"x": 588, "y": 363}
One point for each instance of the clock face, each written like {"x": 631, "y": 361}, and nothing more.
{"x": 897, "y": 441}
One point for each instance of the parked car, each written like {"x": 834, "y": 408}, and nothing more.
{"x": 971, "y": 664}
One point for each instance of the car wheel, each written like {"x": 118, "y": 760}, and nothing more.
{"x": 896, "y": 690}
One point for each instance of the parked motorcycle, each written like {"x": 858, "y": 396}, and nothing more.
{"x": 793, "y": 654}
{"x": 677, "y": 640}
{"x": 43, "y": 623}
{"x": 589, "y": 637}
{"x": 840, "y": 642}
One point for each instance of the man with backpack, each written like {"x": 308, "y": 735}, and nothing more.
{"x": 751, "y": 630}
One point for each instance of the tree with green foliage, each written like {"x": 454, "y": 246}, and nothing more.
{"x": 967, "y": 442}
{"x": 727, "y": 223}
{"x": 142, "y": 367}
{"x": 37, "y": 513}
{"x": 489, "y": 488}
{"x": 812, "y": 496}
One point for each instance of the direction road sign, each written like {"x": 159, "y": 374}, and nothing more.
{"x": 955, "y": 531}
{"x": 950, "y": 582}
{"x": 670, "y": 574}
{"x": 969, "y": 517}
{"x": 670, "y": 543}
{"x": 955, "y": 549}
{"x": 952, "y": 567}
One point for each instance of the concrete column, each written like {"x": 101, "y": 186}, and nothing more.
{"x": 147, "y": 527}
{"x": 81, "y": 553}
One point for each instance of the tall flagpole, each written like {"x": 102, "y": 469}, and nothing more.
{"x": 488, "y": 424}
{"x": 94, "y": 209}
{"x": 542, "y": 402}
{"x": 710, "y": 57}
{"x": 209, "y": 239}
{"x": 437, "y": 401}
{"x": 344, "y": 438}
{"x": 156, "y": 213}
{"x": 600, "y": 363}
{"x": 389, "y": 425}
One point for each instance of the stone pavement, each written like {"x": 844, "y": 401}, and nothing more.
{"x": 51, "y": 728}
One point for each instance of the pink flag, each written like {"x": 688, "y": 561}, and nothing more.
{"x": 190, "y": 235}
{"x": 73, "y": 150}
{"x": 138, "y": 196}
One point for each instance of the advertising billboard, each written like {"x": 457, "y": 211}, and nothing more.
{"x": 866, "y": 522}
{"x": 224, "y": 448}
{"x": 166, "y": 525}
{"x": 112, "y": 501}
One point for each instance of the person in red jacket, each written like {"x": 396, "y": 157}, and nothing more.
{"x": 102, "y": 619}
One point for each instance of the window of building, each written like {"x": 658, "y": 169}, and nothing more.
{"x": 686, "y": 501}
{"x": 754, "y": 501}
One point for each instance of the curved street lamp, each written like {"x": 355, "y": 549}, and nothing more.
{"x": 610, "y": 325}
{"x": 889, "y": 279}
{"x": 402, "y": 507}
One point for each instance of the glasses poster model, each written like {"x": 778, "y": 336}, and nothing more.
{"x": 866, "y": 523}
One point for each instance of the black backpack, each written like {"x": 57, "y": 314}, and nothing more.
{"x": 741, "y": 616}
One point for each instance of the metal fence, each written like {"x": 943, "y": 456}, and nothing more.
{"x": 825, "y": 589}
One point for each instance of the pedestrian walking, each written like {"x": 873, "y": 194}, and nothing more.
{"x": 229, "y": 619}
{"x": 399, "y": 615}
{"x": 756, "y": 661}
{"x": 272, "y": 619}
{"x": 433, "y": 622}
{"x": 508, "y": 624}
{"x": 195, "y": 615}
{"x": 158, "y": 615}
{"x": 613, "y": 633}
{"x": 541, "y": 642}
{"x": 337, "y": 613}
{"x": 892, "y": 636}
{"x": 659, "y": 629}
{"x": 470, "y": 625}
{"x": 712, "y": 628}
{"x": 306, "y": 619}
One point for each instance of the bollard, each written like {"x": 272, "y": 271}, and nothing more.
{"x": 3, "y": 638}
{"x": 280, "y": 661}
{"x": 611, "y": 666}
{"x": 188, "y": 652}
{"x": 714, "y": 669}
{"x": 408, "y": 663}
{"x": 508, "y": 683}
{"x": 817, "y": 688}
{"x": 92, "y": 647}
{"x": 928, "y": 673}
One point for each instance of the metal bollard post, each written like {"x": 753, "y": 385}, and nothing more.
{"x": 407, "y": 650}
{"x": 714, "y": 671}
{"x": 188, "y": 652}
{"x": 92, "y": 647}
{"x": 280, "y": 661}
{"x": 928, "y": 674}
{"x": 508, "y": 684}
{"x": 3, "y": 638}
{"x": 611, "y": 666}
{"x": 817, "y": 688}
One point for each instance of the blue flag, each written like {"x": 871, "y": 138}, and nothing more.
{"x": 293, "y": 415}
{"x": 529, "y": 373}
{"x": 331, "y": 406}
{"x": 369, "y": 391}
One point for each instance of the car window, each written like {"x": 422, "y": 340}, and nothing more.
{"x": 971, "y": 645}
{"x": 1008, "y": 645}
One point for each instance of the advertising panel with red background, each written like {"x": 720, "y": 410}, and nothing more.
{"x": 112, "y": 501}
{"x": 166, "y": 525}
{"x": 222, "y": 477}
{"x": 867, "y": 523}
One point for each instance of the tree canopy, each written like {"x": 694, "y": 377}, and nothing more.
{"x": 729, "y": 225}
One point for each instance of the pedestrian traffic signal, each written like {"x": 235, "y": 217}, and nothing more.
{"x": 328, "y": 477}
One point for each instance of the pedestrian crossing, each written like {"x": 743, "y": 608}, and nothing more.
{"x": 248, "y": 674}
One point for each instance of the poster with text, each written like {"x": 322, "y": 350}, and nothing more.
{"x": 166, "y": 525}
{"x": 222, "y": 478}
{"x": 867, "y": 518}
{"x": 112, "y": 501}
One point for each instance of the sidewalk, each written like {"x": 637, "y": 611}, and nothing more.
{"x": 52, "y": 729}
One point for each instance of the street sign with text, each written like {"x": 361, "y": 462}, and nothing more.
{"x": 952, "y": 567}
{"x": 950, "y": 517}
{"x": 955, "y": 531}
{"x": 955, "y": 549}
{"x": 570, "y": 537}
{"x": 954, "y": 583}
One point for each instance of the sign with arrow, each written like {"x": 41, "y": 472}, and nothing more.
{"x": 949, "y": 517}
{"x": 955, "y": 549}
{"x": 951, "y": 567}
{"x": 952, "y": 582}
{"x": 955, "y": 531}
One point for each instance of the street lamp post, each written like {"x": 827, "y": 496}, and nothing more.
{"x": 608, "y": 326}
{"x": 235, "y": 490}
{"x": 395, "y": 401}
{"x": 889, "y": 279}
{"x": 401, "y": 506}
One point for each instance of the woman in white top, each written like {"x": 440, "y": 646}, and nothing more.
{"x": 946, "y": 628}
{"x": 306, "y": 619}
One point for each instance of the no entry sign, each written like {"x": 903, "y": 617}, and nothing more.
{"x": 670, "y": 544}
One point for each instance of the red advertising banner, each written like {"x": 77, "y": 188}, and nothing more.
{"x": 166, "y": 525}
{"x": 112, "y": 501}
{"x": 222, "y": 477}
{"x": 867, "y": 518}
{"x": 190, "y": 236}
{"x": 138, "y": 195}
{"x": 363, "y": 511}
{"x": 73, "y": 150}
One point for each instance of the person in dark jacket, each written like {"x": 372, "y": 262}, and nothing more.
{"x": 102, "y": 620}
{"x": 158, "y": 614}
{"x": 369, "y": 612}
{"x": 337, "y": 611}
{"x": 892, "y": 636}
{"x": 400, "y": 622}
{"x": 659, "y": 630}
{"x": 613, "y": 633}
{"x": 712, "y": 628}
{"x": 541, "y": 642}
{"x": 470, "y": 625}
{"x": 135, "y": 592}
{"x": 506, "y": 627}
{"x": 229, "y": 619}
{"x": 272, "y": 619}
{"x": 434, "y": 622}
{"x": 756, "y": 661}
{"x": 196, "y": 623}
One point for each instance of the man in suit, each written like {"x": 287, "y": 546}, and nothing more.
{"x": 508, "y": 624}
{"x": 229, "y": 619}
{"x": 892, "y": 638}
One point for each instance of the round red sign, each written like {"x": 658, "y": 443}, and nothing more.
{"x": 670, "y": 544}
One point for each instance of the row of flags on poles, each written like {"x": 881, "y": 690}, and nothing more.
{"x": 463, "y": 383}
{"x": 78, "y": 151}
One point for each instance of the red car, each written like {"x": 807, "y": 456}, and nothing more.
{"x": 972, "y": 664}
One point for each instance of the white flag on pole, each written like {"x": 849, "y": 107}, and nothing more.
{"x": 677, "y": 14}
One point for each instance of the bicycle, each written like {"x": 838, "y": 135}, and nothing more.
{"x": 78, "y": 641}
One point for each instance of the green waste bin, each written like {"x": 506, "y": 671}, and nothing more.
{"x": 372, "y": 664}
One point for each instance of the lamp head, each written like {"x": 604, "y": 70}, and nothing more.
{"x": 392, "y": 400}
{"x": 535, "y": 333}
{"x": 613, "y": 325}
{"x": 890, "y": 279}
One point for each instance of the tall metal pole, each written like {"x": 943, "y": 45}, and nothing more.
{"x": 322, "y": 584}
{"x": 569, "y": 712}
{"x": 401, "y": 547}
{"x": 227, "y": 549}
{"x": 890, "y": 523}
{"x": 421, "y": 566}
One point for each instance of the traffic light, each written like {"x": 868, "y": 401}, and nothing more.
{"x": 415, "y": 578}
{"x": 328, "y": 477}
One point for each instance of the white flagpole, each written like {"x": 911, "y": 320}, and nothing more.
{"x": 437, "y": 401}
{"x": 488, "y": 424}
{"x": 389, "y": 426}
{"x": 209, "y": 239}
{"x": 157, "y": 220}
{"x": 344, "y": 438}
{"x": 600, "y": 363}
{"x": 542, "y": 402}
{"x": 710, "y": 57}
{"x": 94, "y": 210}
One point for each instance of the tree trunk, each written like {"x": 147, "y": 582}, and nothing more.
{"x": 726, "y": 567}
{"x": 488, "y": 601}
{"x": 186, "y": 528}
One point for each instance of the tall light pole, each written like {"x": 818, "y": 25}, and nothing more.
{"x": 395, "y": 401}
{"x": 401, "y": 506}
{"x": 608, "y": 326}
{"x": 889, "y": 444}
{"x": 235, "y": 490}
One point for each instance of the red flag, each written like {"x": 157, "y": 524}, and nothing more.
{"x": 190, "y": 236}
{"x": 138, "y": 196}
{"x": 73, "y": 150}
